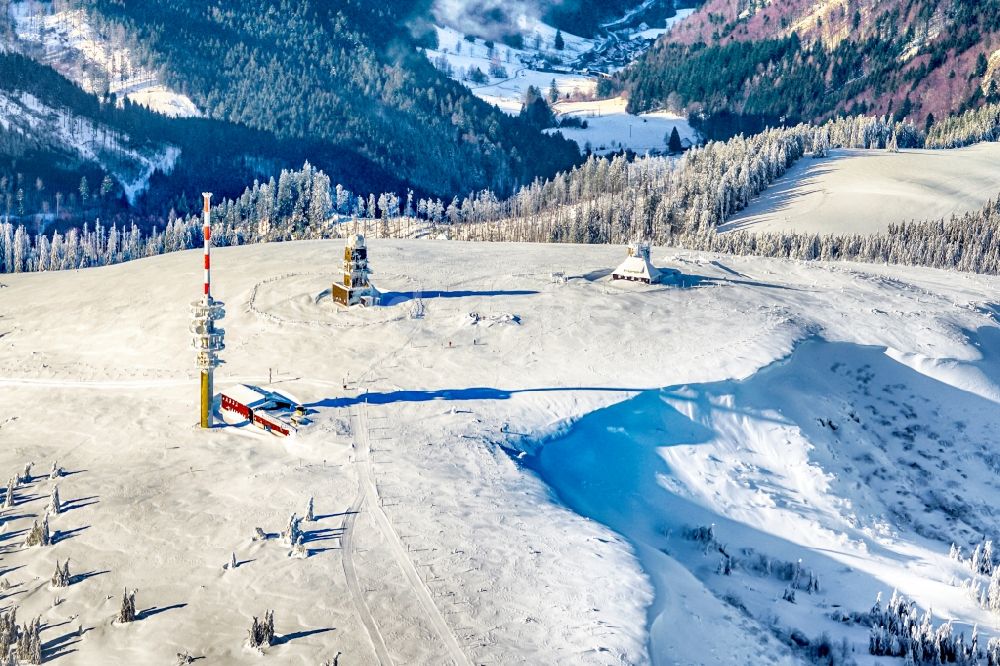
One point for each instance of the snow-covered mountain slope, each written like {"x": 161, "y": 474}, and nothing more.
{"x": 66, "y": 132}
{"x": 522, "y": 485}
{"x": 66, "y": 40}
{"x": 508, "y": 72}
{"x": 864, "y": 191}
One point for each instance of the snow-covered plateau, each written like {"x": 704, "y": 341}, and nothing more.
{"x": 717, "y": 470}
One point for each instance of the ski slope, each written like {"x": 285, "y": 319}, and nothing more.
{"x": 512, "y": 487}
{"x": 864, "y": 191}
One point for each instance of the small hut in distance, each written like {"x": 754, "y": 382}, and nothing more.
{"x": 353, "y": 288}
{"x": 637, "y": 267}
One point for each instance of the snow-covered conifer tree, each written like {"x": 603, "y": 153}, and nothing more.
{"x": 39, "y": 534}
{"x": 55, "y": 505}
{"x": 309, "y": 511}
{"x": 61, "y": 577}
{"x": 127, "y": 612}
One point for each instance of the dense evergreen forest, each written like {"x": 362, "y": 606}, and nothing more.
{"x": 605, "y": 200}
{"x": 742, "y": 85}
{"x": 38, "y": 174}
{"x": 346, "y": 73}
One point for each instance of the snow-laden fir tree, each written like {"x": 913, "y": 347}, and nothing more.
{"x": 9, "y": 495}
{"x": 261, "y": 633}
{"x": 56, "y": 471}
{"x": 9, "y": 631}
{"x": 29, "y": 643}
{"x": 55, "y": 505}
{"x": 127, "y": 612}
{"x": 291, "y": 534}
{"x": 26, "y": 474}
{"x": 39, "y": 534}
{"x": 61, "y": 577}
{"x": 309, "y": 511}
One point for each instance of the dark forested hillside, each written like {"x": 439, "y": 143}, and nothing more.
{"x": 344, "y": 73}
{"x": 746, "y": 67}
{"x": 214, "y": 155}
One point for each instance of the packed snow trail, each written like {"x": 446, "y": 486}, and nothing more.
{"x": 351, "y": 574}
{"x": 367, "y": 479}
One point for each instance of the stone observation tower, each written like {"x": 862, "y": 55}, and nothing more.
{"x": 353, "y": 288}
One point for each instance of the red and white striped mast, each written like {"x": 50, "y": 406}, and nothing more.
{"x": 208, "y": 340}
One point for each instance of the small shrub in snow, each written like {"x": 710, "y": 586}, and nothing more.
{"x": 39, "y": 534}
{"x": 259, "y": 534}
{"x": 127, "y": 612}
{"x": 262, "y": 632}
{"x": 789, "y": 595}
{"x": 56, "y": 471}
{"x": 26, "y": 474}
{"x": 61, "y": 577}
{"x": 184, "y": 658}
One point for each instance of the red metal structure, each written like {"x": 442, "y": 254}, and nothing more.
{"x": 254, "y": 405}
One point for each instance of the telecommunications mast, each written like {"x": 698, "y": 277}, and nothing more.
{"x": 208, "y": 340}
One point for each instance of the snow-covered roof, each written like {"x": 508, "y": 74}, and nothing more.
{"x": 637, "y": 268}
{"x": 247, "y": 395}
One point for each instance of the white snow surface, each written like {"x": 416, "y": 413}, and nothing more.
{"x": 864, "y": 191}
{"x": 611, "y": 128}
{"x": 503, "y": 494}
{"x": 67, "y": 41}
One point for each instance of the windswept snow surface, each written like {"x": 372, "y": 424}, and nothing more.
{"x": 513, "y": 493}
{"x": 864, "y": 191}
{"x": 68, "y": 42}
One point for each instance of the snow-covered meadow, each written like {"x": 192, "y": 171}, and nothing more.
{"x": 864, "y": 191}
{"x": 543, "y": 467}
